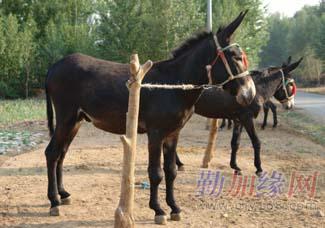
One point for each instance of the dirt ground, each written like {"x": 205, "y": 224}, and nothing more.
{"x": 92, "y": 176}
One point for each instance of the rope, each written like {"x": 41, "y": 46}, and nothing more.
{"x": 182, "y": 86}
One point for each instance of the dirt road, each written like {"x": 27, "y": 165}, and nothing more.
{"x": 92, "y": 176}
{"x": 312, "y": 103}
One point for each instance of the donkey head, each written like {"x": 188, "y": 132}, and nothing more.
{"x": 287, "y": 90}
{"x": 230, "y": 65}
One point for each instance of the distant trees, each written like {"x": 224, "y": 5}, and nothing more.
{"x": 17, "y": 50}
{"x": 302, "y": 35}
{"x": 36, "y": 33}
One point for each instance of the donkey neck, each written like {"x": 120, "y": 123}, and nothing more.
{"x": 187, "y": 68}
{"x": 266, "y": 87}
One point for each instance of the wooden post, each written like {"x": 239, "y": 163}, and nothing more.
{"x": 124, "y": 212}
{"x": 211, "y": 143}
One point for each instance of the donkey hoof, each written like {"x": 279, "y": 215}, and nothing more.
{"x": 175, "y": 216}
{"x": 259, "y": 173}
{"x": 238, "y": 172}
{"x": 181, "y": 168}
{"x": 54, "y": 211}
{"x": 161, "y": 219}
{"x": 66, "y": 201}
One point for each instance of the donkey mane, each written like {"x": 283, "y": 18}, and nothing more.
{"x": 264, "y": 80}
{"x": 189, "y": 43}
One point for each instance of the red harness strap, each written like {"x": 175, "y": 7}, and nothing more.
{"x": 222, "y": 56}
{"x": 294, "y": 89}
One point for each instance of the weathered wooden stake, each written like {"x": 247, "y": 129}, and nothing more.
{"x": 211, "y": 143}
{"x": 124, "y": 212}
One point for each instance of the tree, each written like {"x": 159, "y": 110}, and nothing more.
{"x": 301, "y": 35}
{"x": 275, "y": 51}
{"x": 252, "y": 34}
{"x": 17, "y": 48}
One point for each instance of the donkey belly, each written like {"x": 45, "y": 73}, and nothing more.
{"x": 113, "y": 122}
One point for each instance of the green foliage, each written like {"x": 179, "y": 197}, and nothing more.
{"x": 252, "y": 33}
{"x": 302, "y": 35}
{"x": 36, "y": 33}
{"x": 150, "y": 28}
{"x": 13, "y": 111}
{"x": 17, "y": 54}
{"x": 275, "y": 52}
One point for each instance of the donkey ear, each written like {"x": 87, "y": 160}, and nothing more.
{"x": 230, "y": 29}
{"x": 289, "y": 60}
{"x": 292, "y": 66}
{"x": 287, "y": 63}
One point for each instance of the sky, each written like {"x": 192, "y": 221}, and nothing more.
{"x": 287, "y": 7}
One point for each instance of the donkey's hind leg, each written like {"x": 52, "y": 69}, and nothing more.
{"x": 55, "y": 151}
{"x": 266, "y": 112}
{"x": 65, "y": 196}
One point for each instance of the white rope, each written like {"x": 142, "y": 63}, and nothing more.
{"x": 284, "y": 87}
{"x": 208, "y": 67}
{"x": 181, "y": 86}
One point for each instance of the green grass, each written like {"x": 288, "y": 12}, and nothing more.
{"x": 305, "y": 125}
{"x": 16, "y": 111}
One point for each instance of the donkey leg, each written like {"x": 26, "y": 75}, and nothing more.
{"x": 180, "y": 165}
{"x": 229, "y": 123}
{"x": 250, "y": 128}
{"x": 53, "y": 152}
{"x": 169, "y": 149}
{"x": 155, "y": 175}
{"x": 266, "y": 112}
{"x": 235, "y": 141}
{"x": 52, "y": 156}
{"x": 275, "y": 118}
{"x": 65, "y": 196}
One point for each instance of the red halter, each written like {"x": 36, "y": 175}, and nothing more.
{"x": 220, "y": 53}
{"x": 294, "y": 88}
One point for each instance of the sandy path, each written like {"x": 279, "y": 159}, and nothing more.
{"x": 92, "y": 176}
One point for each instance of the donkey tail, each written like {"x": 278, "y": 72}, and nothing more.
{"x": 49, "y": 110}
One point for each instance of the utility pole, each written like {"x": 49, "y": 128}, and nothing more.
{"x": 209, "y": 15}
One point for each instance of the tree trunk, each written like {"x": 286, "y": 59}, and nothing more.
{"x": 124, "y": 212}
{"x": 27, "y": 82}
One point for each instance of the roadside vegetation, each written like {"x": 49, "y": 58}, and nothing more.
{"x": 16, "y": 111}
{"x": 318, "y": 90}
{"x": 300, "y": 123}
{"x": 17, "y": 130}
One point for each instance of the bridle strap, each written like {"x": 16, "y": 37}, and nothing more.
{"x": 220, "y": 53}
{"x": 284, "y": 87}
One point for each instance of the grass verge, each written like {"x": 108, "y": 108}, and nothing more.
{"x": 301, "y": 123}
{"x": 16, "y": 111}
{"x": 318, "y": 90}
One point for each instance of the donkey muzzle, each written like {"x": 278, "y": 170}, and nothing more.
{"x": 246, "y": 93}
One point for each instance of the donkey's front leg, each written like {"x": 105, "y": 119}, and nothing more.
{"x": 250, "y": 128}
{"x": 169, "y": 149}
{"x": 155, "y": 175}
{"x": 235, "y": 141}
